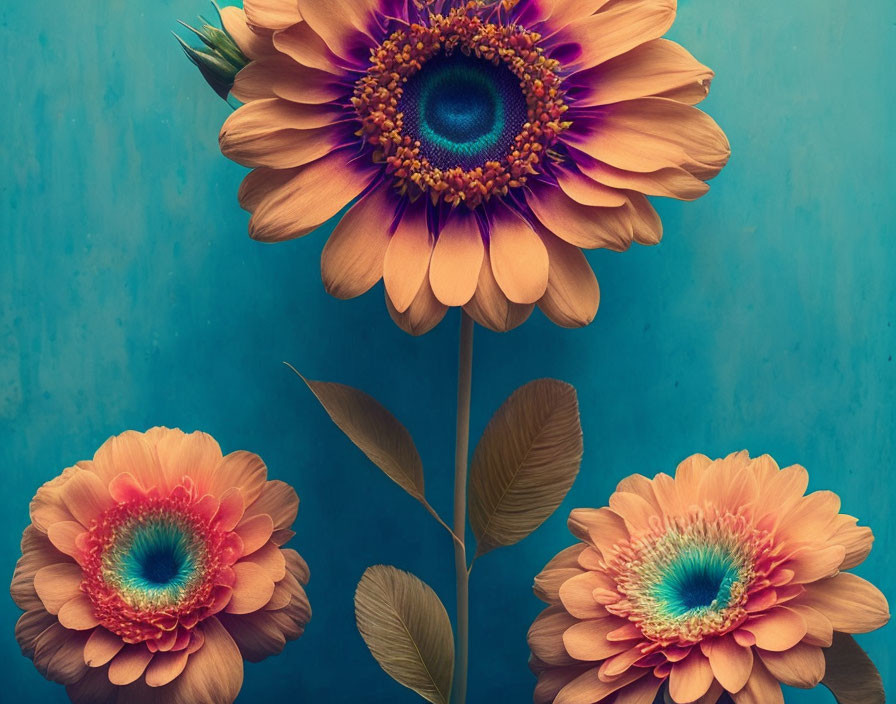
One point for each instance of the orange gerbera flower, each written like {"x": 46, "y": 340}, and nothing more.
{"x": 725, "y": 578}
{"x": 150, "y": 572}
{"x": 487, "y": 142}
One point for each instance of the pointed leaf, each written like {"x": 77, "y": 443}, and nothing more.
{"x": 407, "y": 630}
{"x": 376, "y": 432}
{"x": 850, "y": 674}
{"x": 525, "y": 463}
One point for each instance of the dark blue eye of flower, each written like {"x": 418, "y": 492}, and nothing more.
{"x": 699, "y": 578}
{"x": 464, "y": 111}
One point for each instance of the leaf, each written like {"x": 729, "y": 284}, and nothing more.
{"x": 407, "y": 630}
{"x": 376, "y": 432}
{"x": 525, "y": 463}
{"x": 850, "y": 674}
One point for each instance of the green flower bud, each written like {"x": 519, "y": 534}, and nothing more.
{"x": 220, "y": 59}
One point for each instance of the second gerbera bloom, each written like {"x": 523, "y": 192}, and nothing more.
{"x": 488, "y": 142}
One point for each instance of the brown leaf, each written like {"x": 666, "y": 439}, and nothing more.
{"x": 376, "y": 432}
{"x": 850, "y": 674}
{"x": 407, "y": 630}
{"x": 525, "y": 463}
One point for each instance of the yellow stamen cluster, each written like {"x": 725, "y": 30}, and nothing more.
{"x": 404, "y": 53}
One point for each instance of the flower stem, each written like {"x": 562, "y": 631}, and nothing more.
{"x": 461, "y": 458}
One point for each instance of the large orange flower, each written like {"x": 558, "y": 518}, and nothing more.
{"x": 486, "y": 141}
{"x": 723, "y": 578}
{"x": 150, "y": 572}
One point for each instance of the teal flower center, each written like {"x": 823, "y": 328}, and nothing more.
{"x": 698, "y": 579}
{"x": 464, "y": 111}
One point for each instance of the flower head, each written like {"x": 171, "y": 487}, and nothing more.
{"x": 726, "y": 577}
{"x": 150, "y": 572}
{"x": 487, "y": 142}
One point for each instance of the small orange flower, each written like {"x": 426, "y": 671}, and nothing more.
{"x": 487, "y": 143}
{"x": 150, "y": 572}
{"x": 723, "y": 578}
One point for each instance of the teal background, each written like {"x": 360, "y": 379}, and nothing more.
{"x": 131, "y": 296}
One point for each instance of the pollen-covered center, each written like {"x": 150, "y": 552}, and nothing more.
{"x": 464, "y": 111}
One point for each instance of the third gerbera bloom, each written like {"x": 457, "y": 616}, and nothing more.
{"x": 486, "y": 143}
{"x": 727, "y": 577}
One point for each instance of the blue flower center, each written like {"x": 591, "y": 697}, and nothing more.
{"x": 698, "y": 579}
{"x": 464, "y": 111}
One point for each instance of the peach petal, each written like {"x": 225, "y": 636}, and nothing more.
{"x": 670, "y": 182}
{"x": 77, "y": 614}
{"x": 585, "y": 190}
{"x": 253, "y": 588}
{"x": 124, "y": 487}
{"x": 254, "y": 44}
{"x": 303, "y": 45}
{"x": 588, "y": 688}
{"x": 647, "y": 227}
{"x": 165, "y": 667}
{"x": 231, "y": 509}
{"x": 129, "y": 664}
{"x": 344, "y": 28}
{"x": 602, "y": 527}
{"x": 424, "y": 313}
{"x": 278, "y": 500}
{"x": 608, "y": 34}
{"x": 489, "y": 306}
{"x": 614, "y": 666}
{"x": 518, "y": 256}
{"x": 86, "y": 496}
{"x": 731, "y": 663}
{"x": 635, "y": 510}
{"x": 801, "y": 666}
{"x": 856, "y": 539}
{"x": 282, "y": 536}
{"x": 272, "y": 14}
{"x": 407, "y": 258}
{"x": 57, "y": 584}
{"x": 811, "y": 515}
{"x": 129, "y": 452}
{"x": 37, "y": 552}
{"x": 313, "y": 194}
{"x": 656, "y": 68}
{"x": 819, "y": 630}
{"x": 850, "y": 603}
{"x": 566, "y": 558}
{"x": 548, "y": 582}
{"x": 271, "y": 559}
{"x": 546, "y": 640}
{"x": 352, "y": 259}
{"x": 587, "y": 640}
{"x": 690, "y": 678}
{"x": 628, "y": 631}
{"x": 64, "y": 534}
{"x": 282, "y": 594}
{"x": 552, "y": 680}
{"x": 643, "y": 691}
{"x": 649, "y": 134}
{"x": 577, "y": 596}
{"x": 279, "y": 76}
{"x": 296, "y": 565}
{"x": 101, "y": 647}
{"x": 810, "y": 564}
{"x": 456, "y": 260}
{"x": 572, "y": 296}
{"x": 642, "y": 486}
{"x": 46, "y": 507}
{"x": 778, "y": 629}
{"x": 761, "y": 688}
{"x": 243, "y": 470}
{"x": 255, "y": 532}
{"x": 580, "y": 225}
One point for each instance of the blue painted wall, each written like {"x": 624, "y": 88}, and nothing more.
{"x": 131, "y": 296}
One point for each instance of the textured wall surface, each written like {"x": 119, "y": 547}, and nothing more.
{"x": 131, "y": 296}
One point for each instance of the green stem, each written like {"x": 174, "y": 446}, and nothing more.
{"x": 461, "y": 458}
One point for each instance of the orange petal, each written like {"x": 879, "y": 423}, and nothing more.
{"x": 77, "y": 614}
{"x": 800, "y": 666}
{"x": 303, "y": 45}
{"x": 595, "y": 39}
{"x": 761, "y": 688}
{"x": 489, "y": 306}
{"x": 585, "y": 190}
{"x": 551, "y": 680}
{"x": 572, "y": 295}
{"x": 731, "y": 664}
{"x": 649, "y": 134}
{"x": 518, "y": 256}
{"x": 279, "y": 76}
{"x": 314, "y": 194}
{"x": 634, "y": 509}
{"x": 244, "y": 470}
{"x": 407, "y": 258}
{"x": 231, "y": 509}
{"x": 424, "y": 313}
{"x": 778, "y": 629}
{"x": 813, "y": 515}
{"x": 254, "y": 44}
{"x": 580, "y": 225}
{"x": 548, "y": 582}
{"x": 456, "y": 259}
{"x": 352, "y": 260}
{"x": 46, "y": 507}
{"x": 671, "y": 182}
{"x": 602, "y": 527}
{"x": 545, "y": 636}
{"x": 646, "y": 224}
{"x": 856, "y": 539}
{"x": 641, "y": 692}
{"x": 850, "y": 603}
{"x": 129, "y": 452}
{"x": 345, "y": 28}
{"x": 255, "y": 532}
{"x": 271, "y": 559}
{"x": 576, "y": 595}
{"x": 656, "y": 68}
{"x": 165, "y": 667}
{"x": 811, "y": 563}
{"x": 272, "y": 14}
{"x": 101, "y": 647}
{"x": 278, "y": 500}
{"x": 690, "y": 678}
{"x": 58, "y": 584}
{"x": 252, "y": 590}
{"x": 64, "y": 534}
{"x": 819, "y": 630}
{"x": 588, "y": 688}
{"x": 37, "y": 552}
{"x": 587, "y": 640}
{"x": 129, "y": 664}
{"x": 86, "y": 496}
